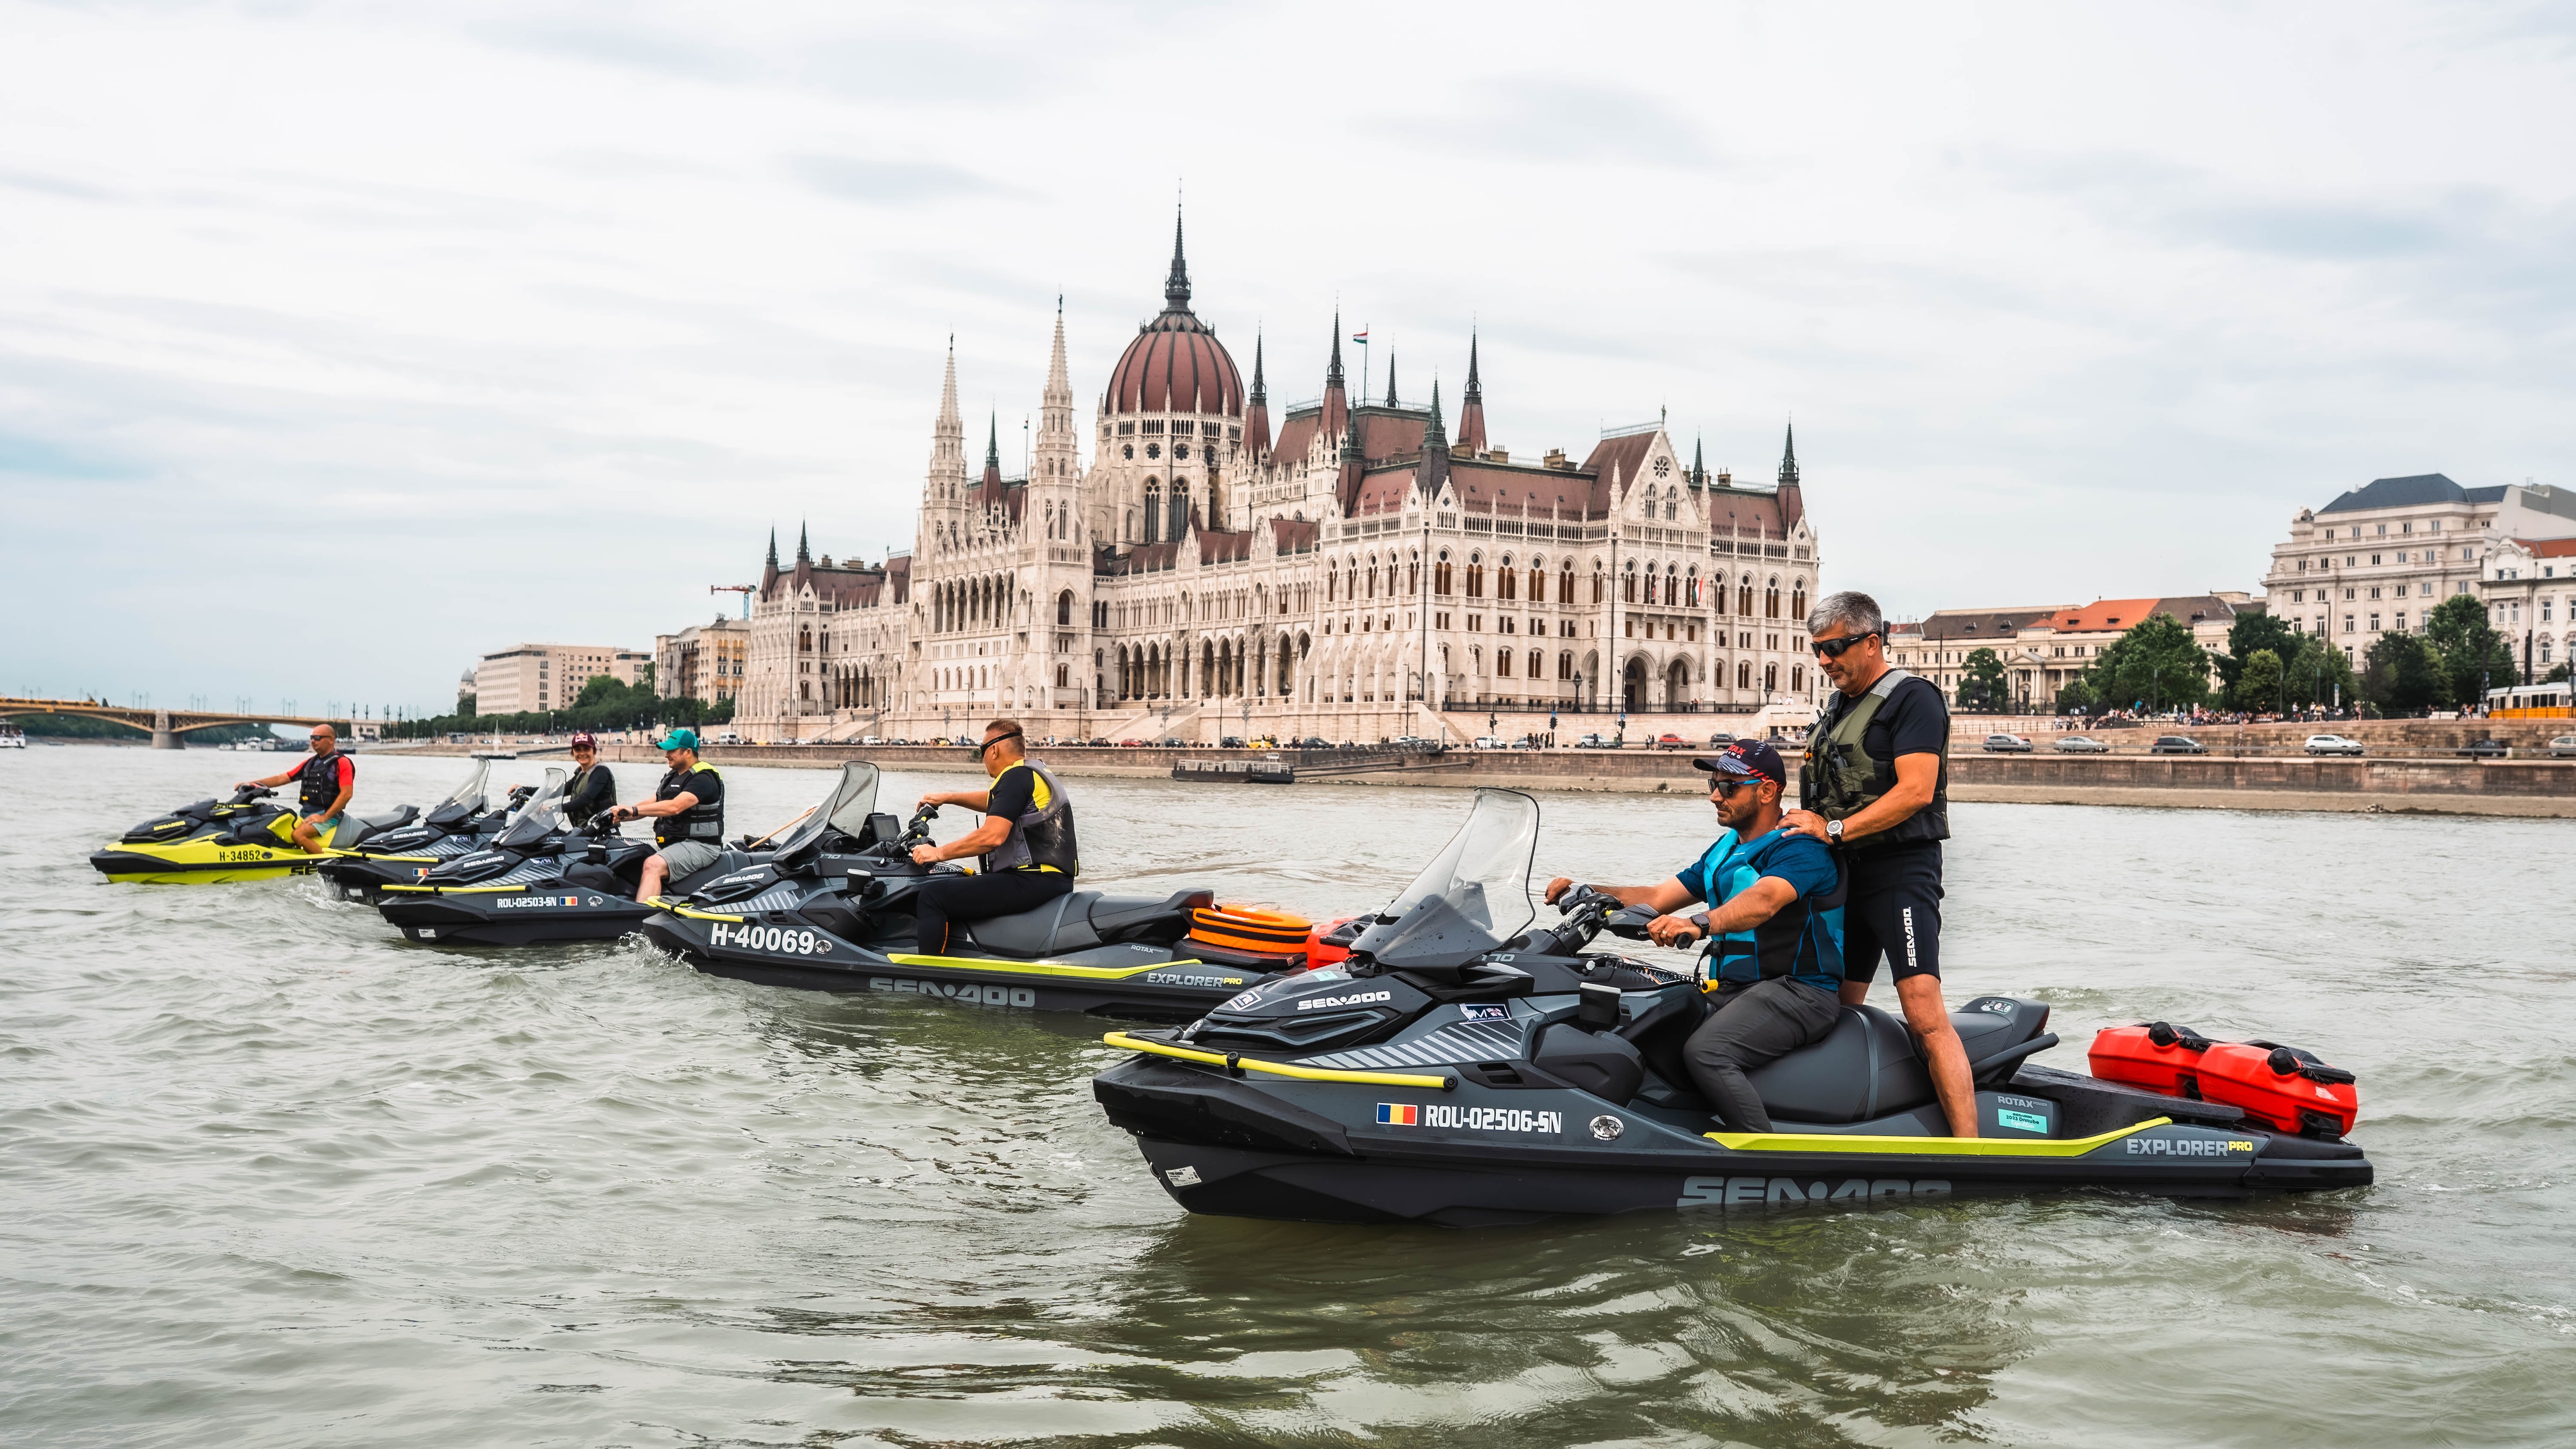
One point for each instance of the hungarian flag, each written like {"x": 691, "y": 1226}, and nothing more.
{"x": 1360, "y": 336}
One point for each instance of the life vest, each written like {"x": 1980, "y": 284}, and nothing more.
{"x": 1043, "y": 838}
{"x": 592, "y": 790}
{"x": 319, "y": 777}
{"x": 1841, "y": 778}
{"x": 1802, "y": 938}
{"x": 702, "y": 822}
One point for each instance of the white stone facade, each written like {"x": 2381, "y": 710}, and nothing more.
{"x": 1345, "y": 579}
{"x": 2381, "y": 557}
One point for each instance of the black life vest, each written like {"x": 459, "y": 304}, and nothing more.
{"x": 592, "y": 790}
{"x": 319, "y": 777}
{"x": 1043, "y": 838}
{"x": 703, "y": 821}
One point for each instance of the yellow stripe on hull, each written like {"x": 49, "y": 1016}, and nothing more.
{"x": 1925, "y": 1146}
{"x": 210, "y": 875}
{"x": 1045, "y": 968}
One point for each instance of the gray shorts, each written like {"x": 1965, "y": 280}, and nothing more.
{"x": 684, "y": 858}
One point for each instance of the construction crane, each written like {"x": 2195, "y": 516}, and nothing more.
{"x": 746, "y": 590}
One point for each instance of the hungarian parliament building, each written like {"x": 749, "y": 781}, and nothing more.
{"x": 1346, "y": 571}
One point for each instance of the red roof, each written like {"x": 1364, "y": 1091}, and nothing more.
{"x": 1175, "y": 365}
{"x": 2101, "y": 616}
{"x": 2547, "y": 547}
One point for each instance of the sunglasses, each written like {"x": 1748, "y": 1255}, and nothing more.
{"x": 995, "y": 740}
{"x": 1833, "y": 648}
{"x": 1725, "y": 789}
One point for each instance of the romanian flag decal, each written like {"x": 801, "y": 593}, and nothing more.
{"x": 1398, "y": 1114}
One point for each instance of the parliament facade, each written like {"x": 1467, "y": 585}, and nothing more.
{"x": 1345, "y": 572}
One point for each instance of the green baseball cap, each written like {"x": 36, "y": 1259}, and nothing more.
{"x": 679, "y": 739}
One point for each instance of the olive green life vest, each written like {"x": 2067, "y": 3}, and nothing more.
{"x": 1840, "y": 777}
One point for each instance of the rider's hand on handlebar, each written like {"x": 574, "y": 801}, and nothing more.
{"x": 1672, "y": 930}
{"x": 1558, "y": 887}
{"x": 925, "y": 855}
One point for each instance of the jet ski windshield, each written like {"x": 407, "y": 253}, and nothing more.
{"x": 535, "y": 820}
{"x": 844, "y": 809}
{"x": 469, "y": 794}
{"x": 1471, "y": 898}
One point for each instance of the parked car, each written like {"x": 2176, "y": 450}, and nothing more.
{"x": 1173, "y": 742}
{"x": 2562, "y": 747}
{"x": 2177, "y": 745}
{"x": 1596, "y": 742}
{"x": 1529, "y": 742}
{"x": 2079, "y": 745}
{"x": 1230, "y": 742}
{"x": 1670, "y": 742}
{"x": 2489, "y": 748}
{"x": 2007, "y": 745}
{"x": 1720, "y": 740}
{"x": 2334, "y": 745}
{"x": 1491, "y": 742}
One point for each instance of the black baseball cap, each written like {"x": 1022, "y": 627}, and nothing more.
{"x": 1748, "y": 757}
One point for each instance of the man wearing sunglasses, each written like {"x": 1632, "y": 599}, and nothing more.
{"x": 687, "y": 811}
{"x": 1026, "y": 841}
{"x": 1876, "y": 785}
{"x": 328, "y": 779}
{"x": 1777, "y": 916}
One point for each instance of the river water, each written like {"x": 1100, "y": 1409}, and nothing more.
{"x": 268, "y": 1175}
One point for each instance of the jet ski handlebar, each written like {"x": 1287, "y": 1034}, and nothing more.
{"x": 248, "y": 793}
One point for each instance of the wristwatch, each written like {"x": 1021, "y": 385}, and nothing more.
{"x": 1834, "y": 831}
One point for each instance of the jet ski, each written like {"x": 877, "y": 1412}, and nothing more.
{"x": 454, "y": 826}
{"x": 533, "y": 882}
{"x": 243, "y": 838}
{"x": 1464, "y": 1067}
{"x": 832, "y": 910}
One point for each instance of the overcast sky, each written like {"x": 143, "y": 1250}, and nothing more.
{"x": 342, "y": 343}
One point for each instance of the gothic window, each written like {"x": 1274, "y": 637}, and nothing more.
{"x": 1693, "y": 587}
{"x": 1798, "y": 601}
{"x": 1505, "y": 585}
{"x": 1672, "y": 496}
{"x": 1475, "y": 579}
{"x": 1628, "y": 589}
{"x": 1565, "y": 584}
{"x": 1153, "y": 509}
{"x": 1565, "y": 665}
{"x": 1663, "y": 468}
{"x": 1153, "y": 450}
{"x": 1771, "y": 676}
{"x": 1503, "y": 663}
{"x": 1538, "y": 581}
{"x": 1127, "y": 451}
{"x": 1744, "y": 674}
{"x": 1771, "y": 604}
{"x": 1537, "y": 665}
{"x": 1744, "y": 596}
{"x": 1064, "y": 608}
{"x": 1600, "y": 584}
{"x": 1440, "y": 580}
{"x": 1180, "y": 451}
{"x": 1180, "y": 510}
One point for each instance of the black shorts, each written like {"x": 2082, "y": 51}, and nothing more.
{"x": 1893, "y": 910}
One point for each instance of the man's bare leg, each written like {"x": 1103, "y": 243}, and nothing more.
{"x": 1930, "y": 1019}
{"x": 307, "y": 839}
{"x": 649, "y": 884}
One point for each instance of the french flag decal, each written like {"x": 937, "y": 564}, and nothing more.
{"x": 1398, "y": 1114}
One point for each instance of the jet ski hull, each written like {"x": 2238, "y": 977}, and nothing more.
{"x": 1474, "y": 1155}
{"x": 201, "y": 862}
{"x": 1129, "y": 982}
{"x": 508, "y": 916}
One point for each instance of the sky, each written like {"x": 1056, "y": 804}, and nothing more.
{"x": 342, "y": 343}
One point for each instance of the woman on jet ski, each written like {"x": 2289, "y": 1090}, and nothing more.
{"x": 592, "y": 788}
{"x": 1776, "y": 968}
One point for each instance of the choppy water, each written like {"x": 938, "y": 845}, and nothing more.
{"x": 270, "y": 1176}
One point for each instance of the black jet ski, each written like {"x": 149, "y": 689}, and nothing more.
{"x": 244, "y": 838}
{"x": 832, "y": 910}
{"x": 1461, "y": 1068}
{"x": 452, "y": 827}
{"x": 535, "y": 881}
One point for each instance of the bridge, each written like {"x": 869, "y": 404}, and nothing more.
{"x": 165, "y": 725}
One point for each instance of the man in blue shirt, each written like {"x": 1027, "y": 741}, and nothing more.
{"x": 1776, "y": 970}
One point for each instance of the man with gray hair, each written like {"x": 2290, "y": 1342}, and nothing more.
{"x": 1876, "y": 786}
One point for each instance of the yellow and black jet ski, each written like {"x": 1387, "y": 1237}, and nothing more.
{"x": 238, "y": 839}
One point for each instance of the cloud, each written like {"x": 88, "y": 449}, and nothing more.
{"x": 891, "y": 183}
{"x": 44, "y": 459}
{"x": 1528, "y": 118}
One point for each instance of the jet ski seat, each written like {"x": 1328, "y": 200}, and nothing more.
{"x": 1867, "y": 1067}
{"x": 390, "y": 820}
{"x": 1080, "y": 920}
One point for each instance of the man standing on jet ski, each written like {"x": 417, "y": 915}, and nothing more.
{"x": 1026, "y": 841}
{"x": 591, "y": 789}
{"x": 1876, "y": 784}
{"x": 1777, "y": 899}
{"x": 327, "y": 779}
{"x": 688, "y": 814}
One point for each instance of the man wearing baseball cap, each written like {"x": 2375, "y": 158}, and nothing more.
{"x": 1776, "y": 968}
{"x": 687, "y": 810}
